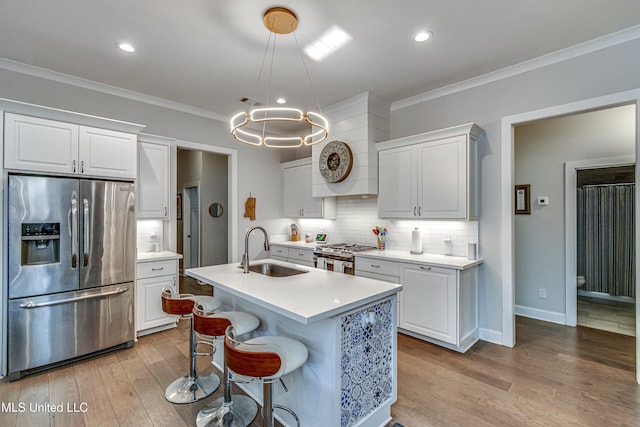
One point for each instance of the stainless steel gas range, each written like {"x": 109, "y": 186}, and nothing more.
{"x": 338, "y": 257}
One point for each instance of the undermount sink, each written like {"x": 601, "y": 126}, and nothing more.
{"x": 275, "y": 270}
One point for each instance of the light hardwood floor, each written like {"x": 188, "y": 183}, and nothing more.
{"x": 555, "y": 376}
{"x": 608, "y": 315}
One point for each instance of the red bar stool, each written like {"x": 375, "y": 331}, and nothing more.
{"x": 229, "y": 410}
{"x": 265, "y": 359}
{"x": 195, "y": 386}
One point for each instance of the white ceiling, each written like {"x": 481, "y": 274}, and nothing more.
{"x": 207, "y": 53}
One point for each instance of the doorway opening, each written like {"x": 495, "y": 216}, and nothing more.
{"x": 203, "y": 233}
{"x": 191, "y": 226}
{"x": 605, "y": 248}
{"x": 508, "y": 125}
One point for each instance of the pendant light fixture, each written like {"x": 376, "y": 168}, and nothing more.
{"x": 256, "y": 127}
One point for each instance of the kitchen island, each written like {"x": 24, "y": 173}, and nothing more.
{"x": 348, "y": 324}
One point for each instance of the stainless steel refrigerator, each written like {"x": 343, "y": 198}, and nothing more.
{"x": 71, "y": 269}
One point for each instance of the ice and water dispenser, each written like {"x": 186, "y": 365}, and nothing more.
{"x": 40, "y": 243}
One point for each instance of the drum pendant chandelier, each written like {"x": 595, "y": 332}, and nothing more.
{"x": 308, "y": 127}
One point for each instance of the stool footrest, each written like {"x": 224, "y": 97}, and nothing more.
{"x": 290, "y": 411}
{"x": 240, "y": 412}
{"x": 189, "y": 389}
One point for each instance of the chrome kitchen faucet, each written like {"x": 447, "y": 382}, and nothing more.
{"x": 245, "y": 257}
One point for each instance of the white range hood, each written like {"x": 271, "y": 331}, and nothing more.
{"x": 360, "y": 122}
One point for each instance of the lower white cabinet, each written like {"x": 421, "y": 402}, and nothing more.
{"x": 440, "y": 305}
{"x": 386, "y": 271}
{"x": 429, "y": 302}
{"x": 296, "y": 255}
{"x": 152, "y": 278}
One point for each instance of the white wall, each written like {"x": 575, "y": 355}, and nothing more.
{"x": 606, "y": 71}
{"x": 541, "y": 149}
{"x": 214, "y": 189}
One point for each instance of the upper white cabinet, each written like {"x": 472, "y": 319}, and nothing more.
{"x": 430, "y": 176}
{"x": 297, "y": 201}
{"x": 153, "y": 180}
{"x": 42, "y": 145}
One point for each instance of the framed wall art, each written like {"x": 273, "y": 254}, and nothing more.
{"x": 522, "y": 199}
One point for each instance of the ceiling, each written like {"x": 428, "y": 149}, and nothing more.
{"x": 207, "y": 53}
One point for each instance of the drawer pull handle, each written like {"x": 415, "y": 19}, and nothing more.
{"x": 157, "y": 269}
{"x": 425, "y": 268}
{"x": 300, "y": 254}
{"x": 375, "y": 266}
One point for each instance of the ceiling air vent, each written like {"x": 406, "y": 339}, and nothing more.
{"x": 251, "y": 101}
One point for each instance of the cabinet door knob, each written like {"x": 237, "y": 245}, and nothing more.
{"x": 82, "y": 166}
{"x": 74, "y": 166}
{"x": 414, "y": 211}
{"x": 419, "y": 210}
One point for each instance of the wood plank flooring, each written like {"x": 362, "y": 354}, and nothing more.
{"x": 608, "y": 315}
{"x": 555, "y": 376}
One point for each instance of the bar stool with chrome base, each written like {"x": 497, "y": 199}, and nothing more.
{"x": 226, "y": 411}
{"x": 192, "y": 387}
{"x": 264, "y": 359}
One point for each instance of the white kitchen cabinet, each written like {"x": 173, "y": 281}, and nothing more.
{"x": 42, "y": 145}
{"x": 430, "y": 176}
{"x": 297, "y": 201}
{"x": 293, "y": 254}
{"x": 440, "y": 305}
{"x": 439, "y": 298}
{"x": 153, "y": 181}
{"x": 429, "y": 302}
{"x": 153, "y": 276}
{"x": 107, "y": 153}
{"x": 387, "y": 271}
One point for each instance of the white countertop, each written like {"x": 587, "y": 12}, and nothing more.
{"x": 157, "y": 256}
{"x": 305, "y": 298}
{"x": 458, "y": 263}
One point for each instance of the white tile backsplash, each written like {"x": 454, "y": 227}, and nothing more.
{"x": 357, "y": 216}
{"x": 146, "y": 229}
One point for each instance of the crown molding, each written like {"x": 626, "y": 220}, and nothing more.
{"x": 44, "y": 73}
{"x": 613, "y": 39}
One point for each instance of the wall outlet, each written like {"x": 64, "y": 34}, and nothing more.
{"x": 542, "y": 293}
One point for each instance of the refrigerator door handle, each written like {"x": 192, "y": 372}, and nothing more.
{"x": 85, "y": 239}
{"x": 31, "y": 304}
{"x": 74, "y": 233}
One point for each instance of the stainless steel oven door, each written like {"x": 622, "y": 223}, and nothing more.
{"x": 334, "y": 264}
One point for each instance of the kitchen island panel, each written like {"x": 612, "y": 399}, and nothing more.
{"x": 350, "y": 378}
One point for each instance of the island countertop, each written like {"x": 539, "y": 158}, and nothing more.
{"x": 305, "y": 298}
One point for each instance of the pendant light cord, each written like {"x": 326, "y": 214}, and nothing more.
{"x": 306, "y": 70}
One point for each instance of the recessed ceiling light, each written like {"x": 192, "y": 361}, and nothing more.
{"x": 423, "y": 36}
{"x": 127, "y": 47}
{"x": 281, "y": 101}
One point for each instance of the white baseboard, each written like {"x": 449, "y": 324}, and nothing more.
{"x": 491, "y": 336}
{"x": 539, "y": 314}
